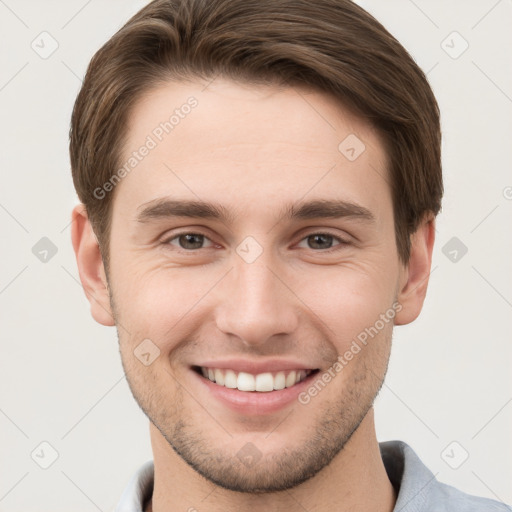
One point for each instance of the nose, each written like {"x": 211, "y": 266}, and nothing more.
{"x": 255, "y": 303}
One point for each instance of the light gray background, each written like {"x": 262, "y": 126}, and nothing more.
{"x": 61, "y": 379}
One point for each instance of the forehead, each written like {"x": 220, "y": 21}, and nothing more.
{"x": 248, "y": 146}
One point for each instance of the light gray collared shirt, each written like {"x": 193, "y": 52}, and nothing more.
{"x": 416, "y": 486}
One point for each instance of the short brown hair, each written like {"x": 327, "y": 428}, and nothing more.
{"x": 332, "y": 46}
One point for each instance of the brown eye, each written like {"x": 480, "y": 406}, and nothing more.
{"x": 188, "y": 241}
{"x": 323, "y": 241}
{"x": 320, "y": 241}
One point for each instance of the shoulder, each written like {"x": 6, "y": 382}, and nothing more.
{"x": 448, "y": 498}
{"x": 418, "y": 490}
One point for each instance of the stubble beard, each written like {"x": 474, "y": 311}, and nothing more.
{"x": 273, "y": 472}
{"x": 324, "y": 440}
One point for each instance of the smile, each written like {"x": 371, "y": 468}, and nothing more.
{"x": 261, "y": 382}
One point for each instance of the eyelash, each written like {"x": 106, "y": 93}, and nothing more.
{"x": 341, "y": 241}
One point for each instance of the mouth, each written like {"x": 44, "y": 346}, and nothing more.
{"x": 258, "y": 383}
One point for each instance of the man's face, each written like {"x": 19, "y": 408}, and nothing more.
{"x": 258, "y": 290}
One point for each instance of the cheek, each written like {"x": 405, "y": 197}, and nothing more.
{"x": 347, "y": 299}
{"x": 160, "y": 304}
{"x": 166, "y": 303}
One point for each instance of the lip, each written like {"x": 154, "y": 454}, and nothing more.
{"x": 255, "y": 367}
{"x": 254, "y": 403}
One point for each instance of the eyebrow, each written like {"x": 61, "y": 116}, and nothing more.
{"x": 316, "y": 209}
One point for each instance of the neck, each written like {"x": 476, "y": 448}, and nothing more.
{"x": 355, "y": 480}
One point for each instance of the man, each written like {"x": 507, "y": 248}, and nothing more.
{"x": 259, "y": 185}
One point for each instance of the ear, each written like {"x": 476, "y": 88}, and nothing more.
{"x": 90, "y": 266}
{"x": 415, "y": 275}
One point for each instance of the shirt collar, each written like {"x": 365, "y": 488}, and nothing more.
{"x": 411, "y": 479}
{"x": 138, "y": 491}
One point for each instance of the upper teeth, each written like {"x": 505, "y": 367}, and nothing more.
{"x": 249, "y": 382}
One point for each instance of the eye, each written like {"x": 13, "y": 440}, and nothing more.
{"x": 323, "y": 241}
{"x": 188, "y": 241}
